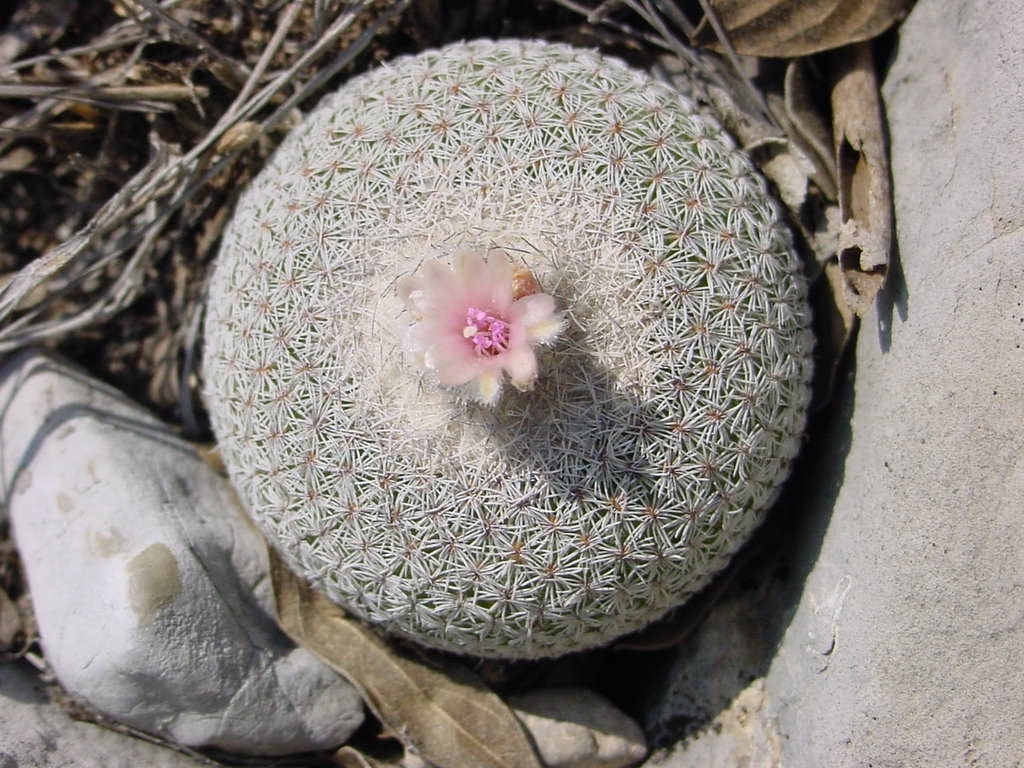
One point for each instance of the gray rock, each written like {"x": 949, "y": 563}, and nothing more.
{"x": 894, "y": 637}
{"x": 577, "y": 728}
{"x": 739, "y": 735}
{"x": 149, "y": 585}
{"x": 710, "y": 704}
{"x": 905, "y": 647}
{"x": 34, "y": 733}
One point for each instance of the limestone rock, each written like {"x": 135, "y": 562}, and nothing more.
{"x": 34, "y": 733}
{"x": 893, "y": 640}
{"x": 905, "y": 647}
{"x": 577, "y": 728}
{"x": 149, "y": 585}
{"x": 707, "y": 701}
{"x": 739, "y": 735}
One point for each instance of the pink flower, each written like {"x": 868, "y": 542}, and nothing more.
{"x": 477, "y": 320}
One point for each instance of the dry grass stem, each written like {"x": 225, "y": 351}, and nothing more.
{"x": 128, "y": 234}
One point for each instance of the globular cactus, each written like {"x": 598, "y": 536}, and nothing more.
{"x": 634, "y": 376}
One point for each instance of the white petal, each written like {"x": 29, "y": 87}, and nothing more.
{"x": 521, "y": 365}
{"x": 536, "y": 313}
{"x": 488, "y": 386}
{"x": 532, "y": 309}
{"x": 546, "y": 331}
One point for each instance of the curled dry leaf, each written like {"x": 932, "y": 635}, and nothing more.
{"x": 787, "y": 28}
{"x": 444, "y": 714}
{"x": 806, "y": 126}
{"x": 865, "y": 189}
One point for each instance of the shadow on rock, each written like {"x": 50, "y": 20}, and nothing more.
{"x": 702, "y": 657}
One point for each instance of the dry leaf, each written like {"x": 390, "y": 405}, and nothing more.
{"x": 836, "y": 325}
{"x": 865, "y": 189}
{"x": 18, "y": 159}
{"x": 788, "y": 167}
{"x": 797, "y": 27}
{"x": 806, "y": 127}
{"x": 238, "y": 137}
{"x": 12, "y": 625}
{"x": 447, "y": 715}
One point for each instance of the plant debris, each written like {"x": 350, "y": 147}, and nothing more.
{"x": 793, "y": 27}
{"x": 443, "y": 713}
{"x": 17, "y": 627}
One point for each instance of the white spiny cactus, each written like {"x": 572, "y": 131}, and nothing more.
{"x": 660, "y": 375}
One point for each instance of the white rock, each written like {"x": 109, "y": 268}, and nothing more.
{"x": 577, "y": 728}
{"x": 739, "y": 735}
{"x": 905, "y": 648}
{"x": 709, "y": 702}
{"x": 35, "y": 733}
{"x": 150, "y": 587}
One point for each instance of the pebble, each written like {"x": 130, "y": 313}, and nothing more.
{"x": 578, "y": 728}
{"x": 149, "y": 584}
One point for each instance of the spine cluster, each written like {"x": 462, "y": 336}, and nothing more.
{"x": 657, "y": 392}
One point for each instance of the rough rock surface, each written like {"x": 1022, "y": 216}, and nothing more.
{"x": 905, "y": 647}
{"x": 35, "y": 733}
{"x": 899, "y": 638}
{"x": 709, "y": 706}
{"x": 577, "y": 728}
{"x": 739, "y": 735}
{"x": 149, "y": 585}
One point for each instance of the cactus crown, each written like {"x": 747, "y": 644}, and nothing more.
{"x": 657, "y": 424}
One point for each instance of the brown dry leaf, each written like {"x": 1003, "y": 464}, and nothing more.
{"x": 238, "y": 137}
{"x": 210, "y": 454}
{"x": 836, "y": 324}
{"x": 12, "y": 625}
{"x": 865, "y": 189}
{"x": 18, "y": 159}
{"x": 447, "y": 715}
{"x": 806, "y": 126}
{"x": 797, "y": 27}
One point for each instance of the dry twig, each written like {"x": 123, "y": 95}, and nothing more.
{"x": 131, "y": 222}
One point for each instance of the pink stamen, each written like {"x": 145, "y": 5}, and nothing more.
{"x": 489, "y": 334}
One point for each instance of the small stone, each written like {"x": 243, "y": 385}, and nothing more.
{"x": 740, "y": 734}
{"x": 706, "y": 700}
{"x": 35, "y": 733}
{"x": 149, "y": 584}
{"x": 577, "y": 728}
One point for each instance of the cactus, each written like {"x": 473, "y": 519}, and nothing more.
{"x": 649, "y": 421}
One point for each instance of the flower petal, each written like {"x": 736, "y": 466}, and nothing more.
{"x": 453, "y": 360}
{"x": 488, "y": 282}
{"x": 521, "y": 365}
{"x": 536, "y": 314}
{"x": 431, "y": 283}
{"x": 488, "y": 386}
